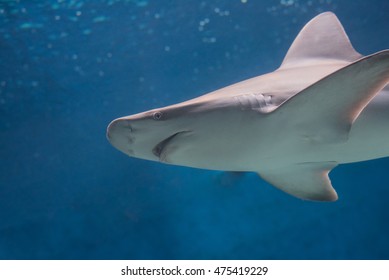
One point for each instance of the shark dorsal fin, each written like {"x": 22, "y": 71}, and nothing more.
{"x": 323, "y": 38}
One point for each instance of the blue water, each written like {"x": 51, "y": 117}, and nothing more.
{"x": 70, "y": 67}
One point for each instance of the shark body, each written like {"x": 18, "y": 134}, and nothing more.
{"x": 325, "y": 105}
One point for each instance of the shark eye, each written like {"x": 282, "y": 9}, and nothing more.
{"x": 157, "y": 116}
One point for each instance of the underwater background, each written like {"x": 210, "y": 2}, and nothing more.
{"x": 67, "y": 68}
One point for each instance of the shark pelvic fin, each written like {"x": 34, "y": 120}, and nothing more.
{"x": 323, "y": 38}
{"x": 308, "y": 181}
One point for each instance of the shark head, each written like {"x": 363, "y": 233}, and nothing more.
{"x": 187, "y": 133}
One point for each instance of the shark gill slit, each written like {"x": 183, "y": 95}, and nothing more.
{"x": 253, "y": 101}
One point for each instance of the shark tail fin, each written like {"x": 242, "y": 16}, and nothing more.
{"x": 323, "y": 38}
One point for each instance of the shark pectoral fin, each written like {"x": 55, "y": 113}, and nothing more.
{"x": 325, "y": 111}
{"x": 308, "y": 181}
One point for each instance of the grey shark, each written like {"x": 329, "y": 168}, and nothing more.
{"x": 325, "y": 105}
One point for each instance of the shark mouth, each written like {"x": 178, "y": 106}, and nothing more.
{"x": 160, "y": 150}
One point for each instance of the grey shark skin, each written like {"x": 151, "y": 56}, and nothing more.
{"x": 326, "y": 105}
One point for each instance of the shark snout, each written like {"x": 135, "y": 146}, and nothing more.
{"x": 137, "y": 138}
{"x": 121, "y": 136}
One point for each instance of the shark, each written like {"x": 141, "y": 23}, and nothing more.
{"x": 325, "y": 105}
